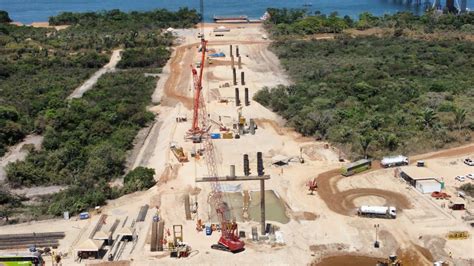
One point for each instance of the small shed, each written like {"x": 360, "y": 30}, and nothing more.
{"x": 428, "y": 186}
{"x": 90, "y": 248}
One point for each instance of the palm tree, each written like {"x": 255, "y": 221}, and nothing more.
{"x": 428, "y": 117}
{"x": 459, "y": 117}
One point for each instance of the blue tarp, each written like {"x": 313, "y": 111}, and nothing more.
{"x": 221, "y": 54}
{"x": 215, "y": 136}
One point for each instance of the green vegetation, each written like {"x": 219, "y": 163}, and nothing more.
{"x": 4, "y": 17}
{"x": 88, "y": 139}
{"x": 284, "y": 22}
{"x": 374, "y": 95}
{"x": 137, "y": 57}
{"x": 85, "y": 140}
{"x": 468, "y": 188}
{"x": 140, "y": 178}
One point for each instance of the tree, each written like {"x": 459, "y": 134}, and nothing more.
{"x": 428, "y": 117}
{"x": 459, "y": 117}
{"x": 365, "y": 140}
{"x": 140, "y": 178}
{"x": 4, "y": 17}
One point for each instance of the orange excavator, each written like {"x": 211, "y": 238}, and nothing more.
{"x": 229, "y": 240}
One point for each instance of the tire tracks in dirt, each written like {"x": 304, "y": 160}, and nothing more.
{"x": 178, "y": 83}
{"x": 341, "y": 202}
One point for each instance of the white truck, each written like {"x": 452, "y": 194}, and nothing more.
{"x": 394, "y": 161}
{"x": 378, "y": 211}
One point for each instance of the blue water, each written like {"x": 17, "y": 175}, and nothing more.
{"x": 28, "y": 11}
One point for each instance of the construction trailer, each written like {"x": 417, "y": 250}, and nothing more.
{"x": 428, "y": 186}
{"x": 394, "y": 161}
{"x": 423, "y": 179}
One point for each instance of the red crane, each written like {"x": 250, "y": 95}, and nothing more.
{"x": 229, "y": 240}
{"x": 196, "y": 133}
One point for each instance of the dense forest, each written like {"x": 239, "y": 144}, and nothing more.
{"x": 86, "y": 139}
{"x": 288, "y": 22}
{"x": 375, "y": 95}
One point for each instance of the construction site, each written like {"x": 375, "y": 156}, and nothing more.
{"x": 235, "y": 186}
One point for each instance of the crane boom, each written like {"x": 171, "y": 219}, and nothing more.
{"x": 229, "y": 240}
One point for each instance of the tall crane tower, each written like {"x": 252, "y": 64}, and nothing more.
{"x": 229, "y": 240}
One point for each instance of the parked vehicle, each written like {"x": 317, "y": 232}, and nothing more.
{"x": 84, "y": 215}
{"x": 470, "y": 176}
{"x": 457, "y": 206}
{"x": 378, "y": 211}
{"x": 469, "y": 162}
{"x": 356, "y": 167}
{"x": 460, "y": 178}
{"x": 420, "y": 163}
{"x": 440, "y": 195}
{"x": 394, "y": 161}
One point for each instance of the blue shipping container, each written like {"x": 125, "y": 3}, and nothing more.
{"x": 215, "y": 135}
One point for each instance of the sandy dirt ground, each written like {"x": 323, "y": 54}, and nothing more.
{"x": 88, "y": 84}
{"x": 323, "y": 228}
{"x": 41, "y": 25}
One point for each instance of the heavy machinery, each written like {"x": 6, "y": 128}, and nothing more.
{"x": 394, "y": 161}
{"x": 312, "y": 186}
{"x": 378, "y": 211}
{"x": 229, "y": 240}
{"x": 178, "y": 152}
{"x": 391, "y": 261}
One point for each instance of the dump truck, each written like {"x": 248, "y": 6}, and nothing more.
{"x": 179, "y": 153}
{"x": 394, "y": 161}
{"x": 378, "y": 211}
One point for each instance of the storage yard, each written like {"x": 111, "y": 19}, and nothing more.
{"x": 322, "y": 226}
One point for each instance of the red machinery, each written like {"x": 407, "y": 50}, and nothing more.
{"x": 312, "y": 185}
{"x": 196, "y": 133}
{"x": 229, "y": 240}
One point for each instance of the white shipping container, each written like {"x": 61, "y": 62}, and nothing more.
{"x": 428, "y": 186}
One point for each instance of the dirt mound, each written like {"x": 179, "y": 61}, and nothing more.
{"x": 347, "y": 260}
{"x": 305, "y": 216}
{"x": 415, "y": 257}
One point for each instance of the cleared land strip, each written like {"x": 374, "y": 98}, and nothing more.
{"x": 114, "y": 59}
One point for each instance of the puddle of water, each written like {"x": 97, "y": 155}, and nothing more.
{"x": 274, "y": 206}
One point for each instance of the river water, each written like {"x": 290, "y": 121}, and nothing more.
{"x": 27, "y": 11}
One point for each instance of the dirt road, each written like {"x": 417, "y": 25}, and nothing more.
{"x": 88, "y": 84}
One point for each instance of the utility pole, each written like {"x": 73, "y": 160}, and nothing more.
{"x": 376, "y": 244}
